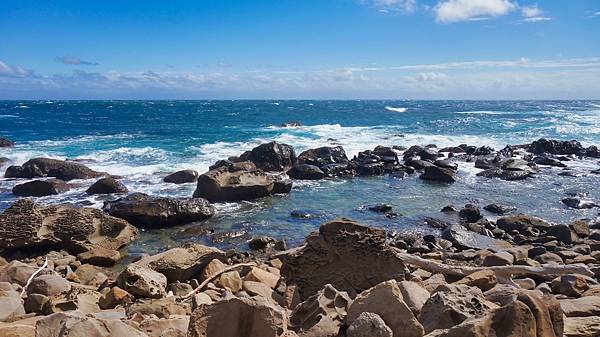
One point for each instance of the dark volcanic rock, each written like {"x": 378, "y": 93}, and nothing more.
{"x": 521, "y": 223}
{"x": 548, "y": 161}
{"x": 272, "y": 157}
{"x": 222, "y": 184}
{"x": 436, "y": 173}
{"x": 349, "y": 256}
{"x": 542, "y": 146}
{"x": 323, "y": 156}
{"x": 463, "y": 238}
{"x": 108, "y": 185}
{"x": 143, "y": 210}
{"x": 418, "y": 164}
{"x": 291, "y": 124}
{"x": 578, "y": 203}
{"x": 499, "y": 209}
{"x": 27, "y": 225}
{"x": 306, "y": 172}
{"x": 182, "y": 177}
{"x": 40, "y": 188}
{"x": 46, "y": 167}
{"x": 445, "y": 163}
{"x": 470, "y": 213}
{"x": 5, "y": 142}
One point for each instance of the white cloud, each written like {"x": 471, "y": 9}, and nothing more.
{"x": 12, "y": 71}
{"x": 76, "y": 61}
{"x": 385, "y": 6}
{"x": 449, "y": 11}
{"x": 533, "y": 14}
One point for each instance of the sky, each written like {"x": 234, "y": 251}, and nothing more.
{"x": 300, "y": 49}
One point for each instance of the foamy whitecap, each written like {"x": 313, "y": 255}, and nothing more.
{"x": 398, "y": 109}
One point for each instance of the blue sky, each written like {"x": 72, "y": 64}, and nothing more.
{"x": 416, "y": 49}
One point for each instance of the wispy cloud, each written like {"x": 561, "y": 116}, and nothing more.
{"x": 403, "y": 6}
{"x": 533, "y": 14}
{"x": 72, "y": 60}
{"x": 13, "y": 71}
{"x": 450, "y": 11}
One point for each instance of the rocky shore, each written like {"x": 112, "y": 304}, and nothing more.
{"x": 64, "y": 271}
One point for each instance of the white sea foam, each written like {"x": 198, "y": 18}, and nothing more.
{"x": 9, "y": 116}
{"x": 399, "y": 109}
{"x": 483, "y": 112}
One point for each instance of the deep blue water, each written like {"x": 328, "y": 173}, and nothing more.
{"x": 144, "y": 140}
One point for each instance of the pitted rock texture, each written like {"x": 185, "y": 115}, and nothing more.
{"x": 28, "y": 225}
{"x": 349, "y": 256}
{"x": 46, "y": 167}
{"x": 321, "y": 314}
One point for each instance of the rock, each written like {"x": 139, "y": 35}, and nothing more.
{"x": 502, "y": 294}
{"x": 40, "y": 188}
{"x": 498, "y": 259}
{"x": 522, "y": 223}
{"x": 463, "y": 238}
{"x": 548, "y": 257}
{"x": 483, "y": 279}
{"x": 306, "y": 172}
{"x": 46, "y": 167}
{"x": 349, "y": 256}
{"x": 48, "y": 285}
{"x": 581, "y": 307}
{"x": 27, "y": 225}
{"x": 231, "y": 281}
{"x": 545, "y": 146}
{"x": 143, "y": 282}
{"x": 323, "y": 156}
{"x": 291, "y": 124}
{"x": 222, "y": 185}
{"x": 99, "y": 256}
{"x": 272, "y": 157}
{"x": 175, "y": 326}
{"x": 546, "y": 310}
{"x": 263, "y": 242}
{"x": 414, "y": 295}
{"x": 582, "y": 326}
{"x": 74, "y": 324}
{"x": 385, "y": 300}
{"x": 578, "y": 203}
{"x": 165, "y": 307}
{"x": 10, "y": 308}
{"x": 451, "y": 306}
{"x": 213, "y": 267}
{"x": 16, "y": 272}
{"x": 436, "y": 173}
{"x": 90, "y": 275}
{"x": 581, "y": 228}
{"x": 369, "y": 324}
{"x": 571, "y": 285}
{"x": 182, "y": 263}
{"x": 262, "y": 276}
{"x": 562, "y": 233}
{"x": 182, "y": 177}
{"x": 470, "y": 213}
{"x": 548, "y": 161}
{"x": 499, "y": 209}
{"x": 143, "y": 210}
{"x": 108, "y": 185}
{"x": 17, "y": 330}
{"x": 248, "y": 317}
{"x": 380, "y": 208}
{"x": 115, "y": 297}
{"x": 5, "y": 142}
{"x": 418, "y": 164}
{"x": 321, "y": 314}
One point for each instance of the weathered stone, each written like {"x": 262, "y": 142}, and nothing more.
{"x": 498, "y": 209}
{"x": 440, "y": 174}
{"x": 165, "y": 307}
{"x": 16, "y": 272}
{"x": 115, "y": 297}
{"x": 548, "y": 257}
{"x": 484, "y": 280}
{"x": 262, "y": 276}
{"x": 369, "y": 324}
{"x": 582, "y": 326}
{"x": 74, "y": 324}
{"x": 463, "y": 238}
{"x": 10, "y": 308}
{"x": 248, "y": 317}
{"x": 349, "y": 256}
{"x": 571, "y": 285}
{"x": 272, "y": 157}
{"x": 46, "y": 167}
{"x": 321, "y": 314}
{"x": 27, "y": 225}
{"x": 501, "y": 294}
{"x": 231, "y": 281}
{"x": 40, "y": 188}
{"x": 90, "y": 275}
{"x": 521, "y": 223}
{"x": 143, "y": 210}
{"x": 99, "y": 256}
{"x": 108, "y": 185}
{"x": 414, "y": 295}
{"x": 581, "y": 307}
{"x": 498, "y": 259}
{"x": 182, "y": 177}
{"x": 143, "y": 282}
{"x": 213, "y": 267}
{"x": 17, "y": 330}
{"x": 48, "y": 285}
{"x": 169, "y": 327}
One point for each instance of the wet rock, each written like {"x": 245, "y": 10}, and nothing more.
{"x": 143, "y": 210}
{"x": 447, "y": 164}
{"x": 545, "y": 146}
{"x": 385, "y": 300}
{"x": 562, "y": 233}
{"x": 48, "y": 285}
{"x": 521, "y": 223}
{"x": 27, "y": 225}
{"x": 264, "y": 242}
{"x": 291, "y": 124}
{"x": 571, "y": 285}
{"x": 108, "y": 185}
{"x": 182, "y": 177}
{"x": 272, "y": 157}
{"x": 548, "y": 161}
{"x": 248, "y": 317}
{"x": 323, "y": 156}
{"x": 142, "y": 282}
{"x": 349, "y": 256}
{"x": 321, "y": 314}
{"x": 380, "y": 208}
{"x": 306, "y": 172}
{"x": 373, "y": 169}
{"x": 578, "y": 203}
{"x": 436, "y": 173}
{"x": 10, "y": 308}
{"x": 368, "y": 324}
{"x": 499, "y": 209}
{"x": 182, "y": 263}
{"x": 463, "y": 238}
{"x": 221, "y": 185}
{"x": 46, "y": 167}
{"x": 5, "y": 142}
{"x": 470, "y": 213}
{"x": 75, "y": 324}
{"x": 40, "y": 188}
{"x": 418, "y": 164}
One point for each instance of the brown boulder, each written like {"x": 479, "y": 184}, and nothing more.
{"x": 46, "y": 167}
{"x": 143, "y": 282}
{"x": 322, "y": 314}
{"x": 40, "y": 188}
{"x": 108, "y": 185}
{"x": 182, "y": 177}
{"x": 74, "y": 324}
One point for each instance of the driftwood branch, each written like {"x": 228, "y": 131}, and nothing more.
{"x": 214, "y": 276}
{"x": 34, "y": 275}
{"x": 503, "y": 273}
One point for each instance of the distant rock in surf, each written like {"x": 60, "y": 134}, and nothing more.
{"x": 46, "y": 167}
{"x": 5, "y": 142}
{"x": 182, "y": 177}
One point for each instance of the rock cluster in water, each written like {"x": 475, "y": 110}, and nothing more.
{"x": 62, "y": 274}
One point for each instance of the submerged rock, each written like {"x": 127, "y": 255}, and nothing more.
{"x": 222, "y": 185}
{"x": 143, "y": 210}
{"x": 108, "y": 185}
{"x": 46, "y": 167}
{"x": 27, "y": 225}
{"x": 182, "y": 177}
{"x": 41, "y": 188}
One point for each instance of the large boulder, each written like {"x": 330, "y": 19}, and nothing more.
{"x": 465, "y": 239}
{"x": 323, "y": 156}
{"x": 272, "y": 157}
{"x": 76, "y": 324}
{"x": 143, "y": 282}
{"x": 522, "y": 223}
{"x": 40, "y": 188}
{"x": 5, "y": 142}
{"x": 182, "y": 263}
{"x": 223, "y": 184}
{"x": 349, "y": 256}
{"x": 236, "y": 317}
{"x": 108, "y": 185}
{"x": 321, "y": 314}
{"x": 306, "y": 172}
{"x": 26, "y": 225}
{"x": 549, "y": 146}
{"x": 369, "y": 324}
{"x": 436, "y": 173}
{"x": 11, "y": 308}
{"x": 46, "y": 167}
{"x": 143, "y": 210}
{"x": 182, "y": 177}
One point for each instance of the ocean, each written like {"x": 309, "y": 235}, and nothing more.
{"x": 145, "y": 140}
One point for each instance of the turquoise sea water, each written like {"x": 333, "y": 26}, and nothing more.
{"x": 145, "y": 140}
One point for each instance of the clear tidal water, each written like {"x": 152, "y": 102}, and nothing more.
{"x": 145, "y": 140}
